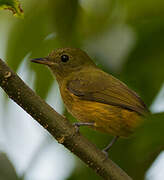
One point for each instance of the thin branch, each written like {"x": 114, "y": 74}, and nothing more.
{"x": 58, "y": 126}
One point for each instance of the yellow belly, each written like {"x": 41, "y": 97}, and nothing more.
{"x": 107, "y": 118}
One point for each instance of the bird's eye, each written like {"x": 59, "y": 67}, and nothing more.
{"x": 64, "y": 58}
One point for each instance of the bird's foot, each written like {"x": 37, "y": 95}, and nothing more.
{"x": 106, "y": 149}
{"x": 106, "y": 154}
{"x": 77, "y": 125}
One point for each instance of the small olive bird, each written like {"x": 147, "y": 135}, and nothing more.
{"x": 95, "y": 98}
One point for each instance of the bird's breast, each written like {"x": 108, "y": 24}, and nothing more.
{"x": 107, "y": 118}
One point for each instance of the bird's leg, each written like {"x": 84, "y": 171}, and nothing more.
{"x": 78, "y": 124}
{"x": 106, "y": 149}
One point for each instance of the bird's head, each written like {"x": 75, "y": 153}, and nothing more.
{"x": 64, "y": 61}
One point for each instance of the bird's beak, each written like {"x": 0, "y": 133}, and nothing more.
{"x": 44, "y": 60}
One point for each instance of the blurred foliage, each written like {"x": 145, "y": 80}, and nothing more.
{"x": 12, "y": 5}
{"x": 7, "y": 170}
{"x": 92, "y": 25}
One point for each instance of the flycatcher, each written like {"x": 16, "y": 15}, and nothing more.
{"x": 92, "y": 96}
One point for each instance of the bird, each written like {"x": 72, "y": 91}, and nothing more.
{"x": 95, "y": 98}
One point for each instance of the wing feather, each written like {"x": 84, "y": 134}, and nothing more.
{"x": 96, "y": 85}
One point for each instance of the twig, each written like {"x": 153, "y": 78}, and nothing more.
{"x": 58, "y": 126}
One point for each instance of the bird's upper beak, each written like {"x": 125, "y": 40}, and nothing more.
{"x": 44, "y": 60}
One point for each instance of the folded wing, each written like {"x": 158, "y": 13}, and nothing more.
{"x": 96, "y": 85}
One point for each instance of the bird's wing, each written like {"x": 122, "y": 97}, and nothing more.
{"x": 101, "y": 87}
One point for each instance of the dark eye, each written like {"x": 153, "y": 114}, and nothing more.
{"x": 64, "y": 58}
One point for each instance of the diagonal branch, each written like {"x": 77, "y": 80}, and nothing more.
{"x": 58, "y": 126}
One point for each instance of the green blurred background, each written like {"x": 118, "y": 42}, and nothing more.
{"x": 124, "y": 38}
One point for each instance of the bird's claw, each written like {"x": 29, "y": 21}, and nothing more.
{"x": 105, "y": 153}
{"x": 76, "y": 125}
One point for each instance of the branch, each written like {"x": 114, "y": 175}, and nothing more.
{"x": 58, "y": 126}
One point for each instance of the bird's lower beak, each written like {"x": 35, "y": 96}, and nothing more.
{"x": 45, "y": 61}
